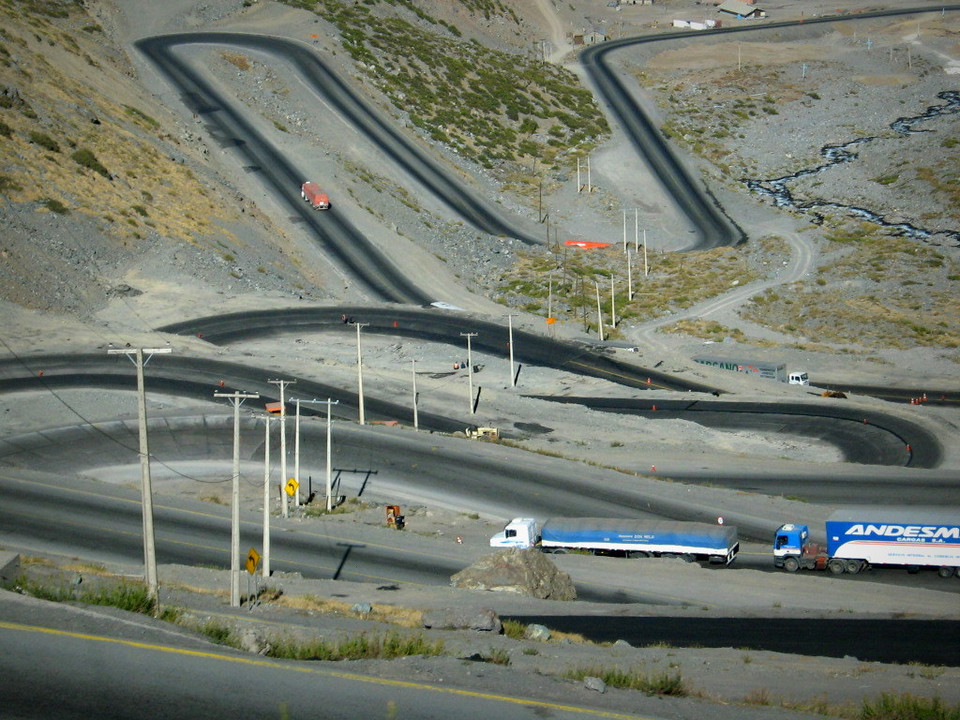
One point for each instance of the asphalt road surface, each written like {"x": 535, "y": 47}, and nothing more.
{"x": 56, "y": 664}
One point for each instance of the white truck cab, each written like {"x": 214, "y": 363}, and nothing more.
{"x": 518, "y": 533}
{"x": 799, "y": 378}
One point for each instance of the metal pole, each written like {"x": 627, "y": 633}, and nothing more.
{"x": 629, "y": 278}
{"x": 283, "y": 444}
{"x": 329, "y": 456}
{"x": 266, "y": 499}
{"x": 468, "y": 336}
{"x": 360, "y": 374}
{"x": 624, "y": 230}
{"x": 646, "y": 270}
{"x": 549, "y": 303}
{"x": 613, "y": 303}
{"x": 237, "y": 399}
{"x": 416, "y": 420}
{"x": 599, "y": 313}
{"x": 513, "y": 377}
{"x": 296, "y": 456}
{"x": 636, "y": 231}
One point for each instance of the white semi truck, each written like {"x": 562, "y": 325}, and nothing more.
{"x": 626, "y": 537}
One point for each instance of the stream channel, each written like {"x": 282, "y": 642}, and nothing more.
{"x": 778, "y": 191}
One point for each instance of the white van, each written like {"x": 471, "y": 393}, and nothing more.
{"x": 799, "y": 378}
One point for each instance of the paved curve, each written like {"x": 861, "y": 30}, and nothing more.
{"x": 855, "y": 432}
{"x": 870, "y": 437}
{"x": 712, "y": 225}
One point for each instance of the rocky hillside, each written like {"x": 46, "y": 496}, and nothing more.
{"x": 97, "y": 178}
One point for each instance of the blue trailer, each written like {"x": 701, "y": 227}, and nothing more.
{"x": 625, "y": 537}
{"x": 860, "y": 538}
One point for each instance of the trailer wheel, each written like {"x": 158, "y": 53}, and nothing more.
{"x": 835, "y": 566}
{"x": 637, "y": 554}
{"x": 791, "y": 564}
{"x": 946, "y": 571}
{"x": 688, "y": 557}
{"x": 853, "y": 566}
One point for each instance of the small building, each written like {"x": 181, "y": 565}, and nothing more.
{"x": 589, "y": 37}
{"x": 741, "y": 9}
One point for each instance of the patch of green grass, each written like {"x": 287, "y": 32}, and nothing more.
{"x": 514, "y": 629}
{"x": 55, "y": 206}
{"x": 141, "y": 116}
{"x": 45, "y": 141}
{"x": 498, "y": 656}
{"x": 8, "y": 183}
{"x": 361, "y": 647}
{"x": 907, "y": 707}
{"x": 130, "y": 596}
{"x": 85, "y": 157}
{"x": 635, "y": 679}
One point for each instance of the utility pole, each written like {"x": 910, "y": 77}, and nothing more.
{"x": 265, "y": 568}
{"x": 237, "y": 399}
{"x": 599, "y": 313}
{"x": 283, "y": 443}
{"x": 513, "y": 378}
{"x": 629, "y": 279}
{"x": 146, "y": 488}
{"x": 624, "y": 230}
{"x": 549, "y": 300}
{"x": 329, "y": 460}
{"x": 469, "y": 336}
{"x": 416, "y": 420}
{"x": 329, "y": 402}
{"x": 636, "y": 230}
{"x": 646, "y": 269}
{"x": 296, "y": 457}
{"x": 360, "y": 374}
{"x": 613, "y": 303}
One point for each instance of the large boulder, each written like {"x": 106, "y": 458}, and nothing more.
{"x": 525, "y": 572}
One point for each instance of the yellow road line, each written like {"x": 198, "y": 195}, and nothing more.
{"x": 302, "y": 668}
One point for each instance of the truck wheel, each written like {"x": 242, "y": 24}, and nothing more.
{"x": 637, "y": 554}
{"x": 853, "y": 566}
{"x": 946, "y": 572}
{"x": 835, "y": 566}
{"x": 791, "y": 564}
{"x": 688, "y": 558}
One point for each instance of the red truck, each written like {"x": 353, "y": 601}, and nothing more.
{"x": 312, "y": 193}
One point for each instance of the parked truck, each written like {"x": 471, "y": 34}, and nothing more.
{"x": 624, "y": 537}
{"x": 860, "y": 538}
{"x": 769, "y": 370}
{"x": 312, "y": 193}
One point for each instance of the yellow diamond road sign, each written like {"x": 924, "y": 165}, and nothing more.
{"x": 253, "y": 559}
{"x": 292, "y": 486}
